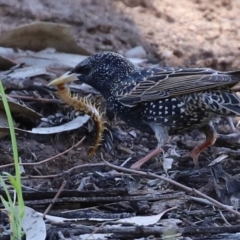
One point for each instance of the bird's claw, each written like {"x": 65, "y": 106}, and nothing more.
{"x": 194, "y": 155}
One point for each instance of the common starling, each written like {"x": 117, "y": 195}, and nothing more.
{"x": 160, "y": 100}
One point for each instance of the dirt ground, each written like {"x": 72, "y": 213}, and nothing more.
{"x": 185, "y": 33}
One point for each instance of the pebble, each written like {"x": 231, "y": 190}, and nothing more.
{"x": 167, "y": 54}
{"x": 133, "y": 133}
{"x": 145, "y": 140}
{"x": 41, "y": 146}
{"x": 142, "y": 150}
{"x": 136, "y": 52}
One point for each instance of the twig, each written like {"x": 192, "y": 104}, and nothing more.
{"x": 202, "y": 200}
{"x": 188, "y": 189}
{"x": 142, "y": 231}
{"x": 224, "y": 219}
{"x": 30, "y": 98}
{"x": 87, "y": 165}
{"x": 55, "y": 198}
{"x": 71, "y": 197}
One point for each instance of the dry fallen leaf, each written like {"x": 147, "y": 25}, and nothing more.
{"x": 144, "y": 220}
{"x": 167, "y": 163}
{"x": 33, "y": 224}
{"x": 46, "y": 59}
{"x": 74, "y": 124}
{"x": 4, "y": 124}
{"x": 15, "y": 107}
{"x": 20, "y": 108}
{"x": 28, "y": 72}
{"x": 5, "y": 58}
{"x": 49, "y": 57}
{"x": 5, "y": 63}
{"x": 40, "y": 35}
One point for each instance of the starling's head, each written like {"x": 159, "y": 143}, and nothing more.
{"x": 100, "y": 71}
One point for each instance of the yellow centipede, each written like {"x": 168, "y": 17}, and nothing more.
{"x": 84, "y": 105}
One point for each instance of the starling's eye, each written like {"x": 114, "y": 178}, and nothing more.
{"x": 83, "y": 69}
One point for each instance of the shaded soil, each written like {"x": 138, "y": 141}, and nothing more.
{"x": 186, "y": 33}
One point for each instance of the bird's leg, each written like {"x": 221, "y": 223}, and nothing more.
{"x": 211, "y": 136}
{"x": 143, "y": 160}
{"x": 161, "y": 134}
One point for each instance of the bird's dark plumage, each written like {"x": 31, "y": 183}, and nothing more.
{"x": 162, "y": 100}
{"x": 178, "y": 98}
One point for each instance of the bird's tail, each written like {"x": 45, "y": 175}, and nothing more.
{"x": 235, "y": 78}
{"x": 225, "y": 102}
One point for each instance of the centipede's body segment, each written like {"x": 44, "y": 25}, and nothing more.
{"x": 84, "y": 105}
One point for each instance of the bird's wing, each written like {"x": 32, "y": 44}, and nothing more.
{"x": 157, "y": 83}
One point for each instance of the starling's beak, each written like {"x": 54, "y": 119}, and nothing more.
{"x": 65, "y": 78}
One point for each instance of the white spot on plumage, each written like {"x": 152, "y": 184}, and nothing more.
{"x": 166, "y": 112}
{"x": 160, "y": 107}
{"x": 154, "y": 106}
{"x": 173, "y": 107}
{"x": 150, "y": 111}
{"x": 165, "y": 120}
{"x": 160, "y": 101}
{"x": 180, "y": 104}
{"x": 182, "y": 110}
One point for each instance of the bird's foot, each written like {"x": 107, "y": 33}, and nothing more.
{"x": 194, "y": 155}
{"x": 143, "y": 160}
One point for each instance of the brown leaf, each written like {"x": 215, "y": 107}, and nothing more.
{"x": 40, "y": 35}
{"x": 20, "y": 108}
{"x": 6, "y": 63}
{"x": 4, "y": 124}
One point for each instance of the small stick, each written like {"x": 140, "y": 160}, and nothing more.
{"x": 188, "y": 189}
{"x": 55, "y": 198}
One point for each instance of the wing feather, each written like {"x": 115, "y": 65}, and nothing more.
{"x": 157, "y": 83}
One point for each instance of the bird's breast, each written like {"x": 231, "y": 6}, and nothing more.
{"x": 132, "y": 116}
{"x": 178, "y": 114}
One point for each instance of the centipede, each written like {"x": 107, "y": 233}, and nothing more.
{"x": 85, "y": 105}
